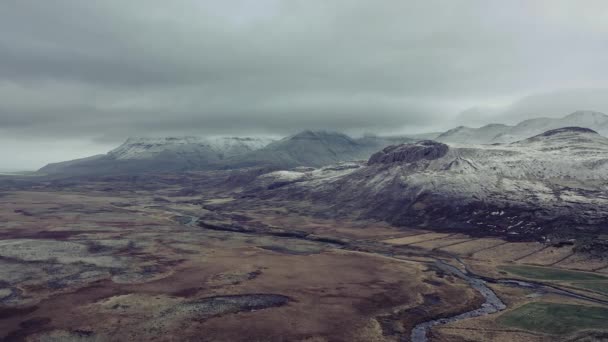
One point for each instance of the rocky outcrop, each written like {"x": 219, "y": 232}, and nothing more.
{"x": 409, "y": 153}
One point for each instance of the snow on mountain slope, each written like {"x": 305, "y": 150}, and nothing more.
{"x": 551, "y": 183}
{"x": 166, "y": 154}
{"x": 145, "y": 148}
{"x": 496, "y": 133}
{"x": 467, "y": 135}
{"x": 587, "y": 119}
{"x": 172, "y": 154}
{"x": 314, "y": 148}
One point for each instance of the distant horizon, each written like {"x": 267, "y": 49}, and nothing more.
{"x": 9, "y": 170}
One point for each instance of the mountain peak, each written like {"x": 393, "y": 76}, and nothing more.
{"x": 586, "y": 118}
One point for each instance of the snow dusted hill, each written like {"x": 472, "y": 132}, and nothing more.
{"x": 139, "y": 155}
{"x": 496, "y": 133}
{"x": 467, "y": 135}
{"x": 220, "y": 147}
{"x": 549, "y": 184}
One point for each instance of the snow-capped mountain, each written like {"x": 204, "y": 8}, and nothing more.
{"x": 221, "y": 147}
{"x": 551, "y": 183}
{"x": 314, "y": 148}
{"x": 137, "y": 155}
{"x": 498, "y": 133}
{"x": 307, "y": 148}
{"x": 468, "y": 135}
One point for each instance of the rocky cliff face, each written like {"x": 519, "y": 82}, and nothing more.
{"x": 409, "y": 153}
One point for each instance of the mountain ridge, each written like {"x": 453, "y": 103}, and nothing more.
{"x": 166, "y": 154}
{"x": 499, "y": 133}
{"x": 313, "y": 148}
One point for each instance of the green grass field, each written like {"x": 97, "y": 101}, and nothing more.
{"x": 555, "y": 319}
{"x": 546, "y": 273}
{"x": 601, "y": 287}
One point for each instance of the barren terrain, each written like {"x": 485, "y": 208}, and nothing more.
{"x": 113, "y": 260}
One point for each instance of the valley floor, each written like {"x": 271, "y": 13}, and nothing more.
{"x": 92, "y": 262}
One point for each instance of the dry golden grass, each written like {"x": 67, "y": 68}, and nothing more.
{"x": 508, "y": 252}
{"x": 416, "y": 238}
{"x": 583, "y": 262}
{"x": 547, "y": 256}
{"x": 439, "y": 243}
{"x": 470, "y": 247}
{"x": 345, "y": 228}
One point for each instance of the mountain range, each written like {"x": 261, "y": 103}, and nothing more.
{"x": 499, "y": 133}
{"x": 170, "y": 154}
{"x": 307, "y": 148}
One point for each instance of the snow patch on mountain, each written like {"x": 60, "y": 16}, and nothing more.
{"x": 146, "y": 148}
{"x": 555, "y": 180}
{"x": 498, "y": 133}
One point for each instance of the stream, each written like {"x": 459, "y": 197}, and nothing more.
{"x": 491, "y": 305}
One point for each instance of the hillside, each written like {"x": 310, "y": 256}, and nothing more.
{"x": 315, "y": 149}
{"x": 549, "y": 184}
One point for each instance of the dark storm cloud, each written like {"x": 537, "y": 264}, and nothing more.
{"x": 104, "y": 70}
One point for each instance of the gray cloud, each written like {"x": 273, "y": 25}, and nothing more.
{"x": 101, "y": 71}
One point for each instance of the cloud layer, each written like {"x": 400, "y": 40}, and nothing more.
{"x": 100, "y": 71}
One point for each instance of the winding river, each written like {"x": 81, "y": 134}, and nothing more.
{"x": 492, "y": 302}
{"x": 491, "y": 305}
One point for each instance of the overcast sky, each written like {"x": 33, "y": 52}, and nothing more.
{"x": 78, "y": 77}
